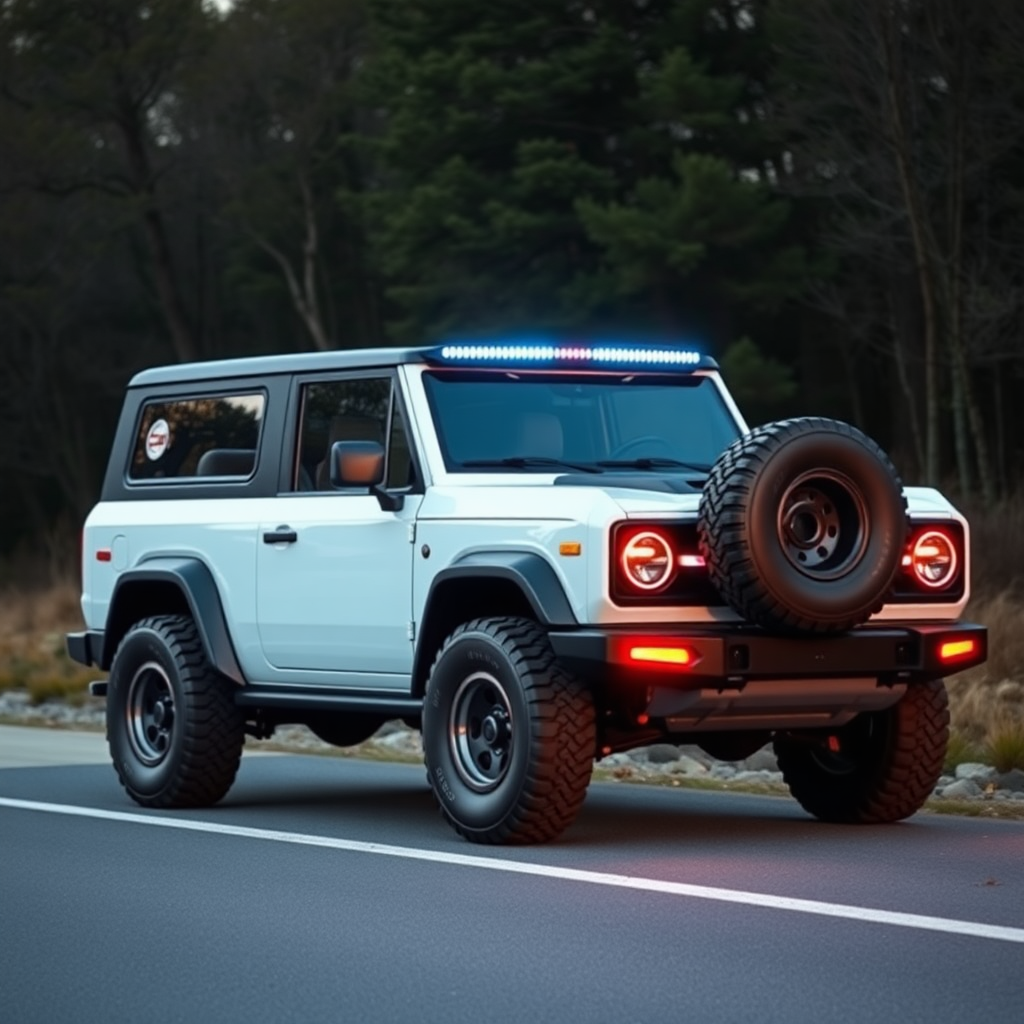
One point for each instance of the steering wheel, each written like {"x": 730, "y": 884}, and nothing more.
{"x": 641, "y": 442}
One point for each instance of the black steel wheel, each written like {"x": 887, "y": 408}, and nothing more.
{"x": 881, "y": 767}
{"x": 802, "y": 524}
{"x": 174, "y": 732}
{"x": 508, "y": 735}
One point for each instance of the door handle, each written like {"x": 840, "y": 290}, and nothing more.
{"x": 282, "y": 535}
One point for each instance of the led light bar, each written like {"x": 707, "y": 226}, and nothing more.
{"x": 567, "y": 354}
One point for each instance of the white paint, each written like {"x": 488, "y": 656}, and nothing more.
{"x": 868, "y": 915}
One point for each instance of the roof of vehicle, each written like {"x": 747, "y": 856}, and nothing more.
{"x": 493, "y": 355}
{"x": 266, "y": 366}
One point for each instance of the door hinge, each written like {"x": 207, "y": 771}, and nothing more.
{"x": 412, "y": 532}
{"x": 410, "y": 629}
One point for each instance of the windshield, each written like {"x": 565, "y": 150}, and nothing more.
{"x": 552, "y": 422}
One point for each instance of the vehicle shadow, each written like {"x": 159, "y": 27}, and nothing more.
{"x": 394, "y": 801}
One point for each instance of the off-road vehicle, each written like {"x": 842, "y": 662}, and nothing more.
{"x": 538, "y": 554}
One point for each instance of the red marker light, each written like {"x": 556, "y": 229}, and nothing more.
{"x": 681, "y": 656}
{"x": 953, "y": 650}
{"x": 103, "y": 555}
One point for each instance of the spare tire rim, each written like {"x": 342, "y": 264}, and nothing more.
{"x": 480, "y": 731}
{"x": 150, "y": 709}
{"x": 822, "y": 524}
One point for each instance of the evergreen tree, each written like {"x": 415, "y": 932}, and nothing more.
{"x": 572, "y": 166}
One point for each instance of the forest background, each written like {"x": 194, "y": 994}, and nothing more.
{"x": 826, "y": 196}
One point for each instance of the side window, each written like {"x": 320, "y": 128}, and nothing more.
{"x": 401, "y": 471}
{"x": 213, "y": 436}
{"x": 339, "y": 410}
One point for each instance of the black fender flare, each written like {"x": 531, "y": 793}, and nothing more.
{"x": 196, "y": 584}
{"x": 529, "y": 571}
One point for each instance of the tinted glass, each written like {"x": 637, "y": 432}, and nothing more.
{"x": 198, "y": 437}
{"x": 585, "y": 419}
{"x": 339, "y": 410}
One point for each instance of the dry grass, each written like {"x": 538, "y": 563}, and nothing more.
{"x": 33, "y": 621}
{"x": 997, "y": 546}
{"x": 988, "y": 701}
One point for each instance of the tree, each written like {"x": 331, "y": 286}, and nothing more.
{"x": 565, "y": 168}
{"x": 87, "y": 105}
{"x": 275, "y": 99}
{"x": 902, "y": 116}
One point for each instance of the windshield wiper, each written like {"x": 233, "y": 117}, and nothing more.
{"x": 654, "y": 462}
{"x": 525, "y": 461}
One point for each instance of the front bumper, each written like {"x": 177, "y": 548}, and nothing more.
{"x": 737, "y": 654}
{"x": 736, "y": 679}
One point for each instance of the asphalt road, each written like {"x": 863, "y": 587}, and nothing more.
{"x": 328, "y": 889}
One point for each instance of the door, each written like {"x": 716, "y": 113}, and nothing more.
{"x": 334, "y": 569}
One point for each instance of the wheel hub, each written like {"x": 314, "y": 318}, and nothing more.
{"x": 822, "y": 525}
{"x": 480, "y": 731}
{"x": 150, "y": 711}
{"x": 495, "y": 728}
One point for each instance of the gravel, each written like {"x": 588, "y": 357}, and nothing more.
{"x": 660, "y": 762}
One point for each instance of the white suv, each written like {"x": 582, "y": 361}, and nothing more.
{"x": 536, "y": 553}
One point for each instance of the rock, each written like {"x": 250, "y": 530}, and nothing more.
{"x": 406, "y": 742}
{"x": 1012, "y": 780}
{"x": 723, "y": 771}
{"x": 698, "y": 754}
{"x": 662, "y": 753}
{"x": 962, "y": 789}
{"x": 979, "y": 773}
{"x": 945, "y": 780}
{"x": 686, "y": 765}
{"x": 763, "y": 760}
{"x": 615, "y": 760}
{"x": 755, "y": 776}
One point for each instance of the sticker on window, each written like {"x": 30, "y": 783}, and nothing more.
{"x": 158, "y": 440}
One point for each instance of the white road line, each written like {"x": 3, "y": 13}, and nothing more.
{"x": 976, "y": 929}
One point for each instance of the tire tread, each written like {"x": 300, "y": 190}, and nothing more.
{"x": 723, "y": 513}
{"x": 563, "y": 724}
{"x": 213, "y": 726}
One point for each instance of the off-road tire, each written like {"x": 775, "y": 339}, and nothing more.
{"x": 538, "y": 788}
{"x": 187, "y": 752}
{"x": 886, "y": 765}
{"x": 747, "y": 520}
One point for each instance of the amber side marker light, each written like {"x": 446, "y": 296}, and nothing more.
{"x": 570, "y": 547}
{"x": 952, "y": 650}
{"x": 663, "y": 655}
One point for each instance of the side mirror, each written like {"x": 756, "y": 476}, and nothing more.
{"x": 357, "y": 463}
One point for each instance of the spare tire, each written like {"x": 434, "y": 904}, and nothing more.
{"x": 802, "y": 524}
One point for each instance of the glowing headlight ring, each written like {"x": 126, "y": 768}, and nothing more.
{"x": 945, "y": 541}
{"x": 659, "y": 551}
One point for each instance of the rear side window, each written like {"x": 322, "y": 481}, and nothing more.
{"x": 214, "y": 436}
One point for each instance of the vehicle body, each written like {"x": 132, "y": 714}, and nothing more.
{"x": 523, "y": 550}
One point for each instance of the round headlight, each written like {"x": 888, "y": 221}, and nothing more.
{"x": 933, "y": 559}
{"x": 647, "y": 560}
